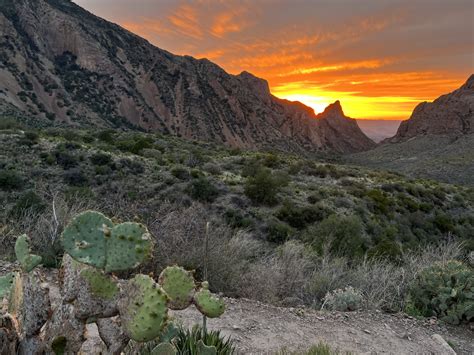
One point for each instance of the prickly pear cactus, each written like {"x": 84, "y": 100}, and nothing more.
{"x": 84, "y": 238}
{"x": 6, "y": 283}
{"x": 143, "y": 308}
{"x": 91, "y": 238}
{"x": 128, "y": 245}
{"x": 27, "y": 260}
{"x": 207, "y": 303}
{"x": 178, "y": 285}
{"x": 164, "y": 349}
{"x": 203, "y": 349}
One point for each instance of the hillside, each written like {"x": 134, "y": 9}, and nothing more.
{"x": 437, "y": 142}
{"x": 61, "y": 63}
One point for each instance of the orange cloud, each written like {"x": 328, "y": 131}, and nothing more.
{"x": 228, "y": 22}
{"x": 369, "y": 64}
{"x": 185, "y": 20}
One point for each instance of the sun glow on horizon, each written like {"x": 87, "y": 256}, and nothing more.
{"x": 353, "y": 105}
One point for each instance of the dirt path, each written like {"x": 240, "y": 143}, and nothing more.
{"x": 262, "y": 329}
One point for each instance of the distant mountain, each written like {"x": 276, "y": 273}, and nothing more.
{"x": 436, "y": 142}
{"x": 451, "y": 114}
{"x": 378, "y": 130}
{"x": 61, "y": 63}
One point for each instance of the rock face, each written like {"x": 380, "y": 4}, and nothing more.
{"x": 451, "y": 114}
{"x": 59, "y": 62}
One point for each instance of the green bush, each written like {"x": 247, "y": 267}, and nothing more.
{"x": 10, "y": 180}
{"x": 100, "y": 159}
{"x": 299, "y": 217}
{"x": 263, "y": 187}
{"x": 278, "y": 232}
{"x": 343, "y": 234}
{"x": 202, "y": 189}
{"x": 446, "y": 291}
{"x": 235, "y": 219}
{"x": 180, "y": 172}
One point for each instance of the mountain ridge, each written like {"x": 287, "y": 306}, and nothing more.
{"x": 64, "y": 64}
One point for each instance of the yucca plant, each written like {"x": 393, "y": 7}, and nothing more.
{"x": 186, "y": 341}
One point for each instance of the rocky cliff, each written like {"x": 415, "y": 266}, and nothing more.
{"x": 451, "y": 114}
{"x": 61, "y": 63}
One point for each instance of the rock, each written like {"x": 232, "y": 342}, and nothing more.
{"x": 111, "y": 332}
{"x": 449, "y": 114}
{"x": 444, "y": 346}
{"x": 93, "y": 343}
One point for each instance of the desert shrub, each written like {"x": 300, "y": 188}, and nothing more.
{"x": 301, "y": 216}
{"x": 106, "y": 136}
{"x": 443, "y": 222}
{"x": 278, "y": 232}
{"x": 29, "y": 138}
{"x": 343, "y": 235}
{"x": 9, "y": 123}
{"x": 445, "y": 290}
{"x": 212, "y": 168}
{"x": 386, "y": 248}
{"x": 134, "y": 145}
{"x": 263, "y": 187}
{"x": 236, "y": 219}
{"x": 65, "y": 159}
{"x": 180, "y": 172}
{"x": 317, "y": 196}
{"x": 100, "y": 159}
{"x": 379, "y": 202}
{"x": 75, "y": 177}
{"x": 10, "y": 180}
{"x": 133, "y": 166}
{"x": 319, "y": 349}
{"x": 343, "y": 300}
{"x": 202, "y": 189}
{"x": 28, "y": 201}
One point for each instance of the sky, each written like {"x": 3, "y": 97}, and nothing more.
{"x": 380, "y": 58}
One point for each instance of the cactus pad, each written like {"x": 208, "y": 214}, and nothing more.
{"x": 208, "y": 303}
{"x": 6, "y": 283}
{"x": 178, "y": 285}
{"x": 91, "y": 238}
{"x": 22, "y": 251}
{"x": 143, "y": 308}
{"x": 100, "y": 285}
{"x": 128, "y": 245}
{"x": 84, "y": 238}
{"x": 164, "y": 349}
{"x": 203, "y": 349}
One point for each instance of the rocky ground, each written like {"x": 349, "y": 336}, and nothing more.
{"x": 263, "y": 329}
{"x": 259, "y": 328}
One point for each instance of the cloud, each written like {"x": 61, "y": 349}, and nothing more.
{"x": 230, "y": 21}
{"x": 185, "y": 20}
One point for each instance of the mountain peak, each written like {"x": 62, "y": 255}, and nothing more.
{"x": 334, "y": 109}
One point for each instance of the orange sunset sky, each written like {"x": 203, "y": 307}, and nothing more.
{"x": 379, "y": 57}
